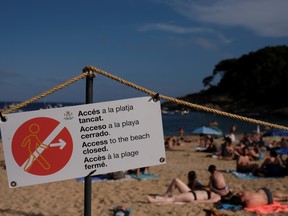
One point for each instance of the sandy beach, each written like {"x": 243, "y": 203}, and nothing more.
{"x": 67, "y": 197}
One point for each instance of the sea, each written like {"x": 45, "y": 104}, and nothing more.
{"x": 173, "y": 121}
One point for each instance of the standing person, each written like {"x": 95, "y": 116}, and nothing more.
{"x": 232, "y": 133}
{"x": 217, "y": 182}
{"x": 181, "y": 133}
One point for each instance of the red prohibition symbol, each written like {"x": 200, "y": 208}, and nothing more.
{"x": 42, "y": 146}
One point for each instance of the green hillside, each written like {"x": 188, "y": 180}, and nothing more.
{"x": 255, "y": 83}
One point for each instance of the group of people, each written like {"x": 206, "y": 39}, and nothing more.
{"x": 274, "y": 165}
{"x": 248, "y": 152}
{"x": 217, "y": 189}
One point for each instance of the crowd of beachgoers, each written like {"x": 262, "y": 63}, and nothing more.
{"x": 234, "y": 174}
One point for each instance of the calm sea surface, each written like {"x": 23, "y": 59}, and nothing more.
{"x": 189, "y": 122}
{"x": 193, "y": 120}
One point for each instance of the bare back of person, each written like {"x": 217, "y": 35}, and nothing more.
{"x": 254, "y": 199}
{"x": 243, "y": 160}
{"x": 260, "y": 197}
{"x": 218, "y": 184}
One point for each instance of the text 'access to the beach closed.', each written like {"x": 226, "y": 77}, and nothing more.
{"x": 70, "y": 142}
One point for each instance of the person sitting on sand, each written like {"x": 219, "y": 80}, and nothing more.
{"x": 243, "y": 164}
{"x": 217, "y": 182}
{"x": 226, "y": 150}
{"x": 255, "y": 152}
{"x": 192, "y": 192}
{"x": 210, "y": 146}
{"x": 204, "y": 138}
{"x": 260, "y": 197}
{"x": 170, "y": 142}
{"x": 239, "y": 149}
{"x": 271, "y": 167}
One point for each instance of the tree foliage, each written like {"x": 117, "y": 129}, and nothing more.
{"x": 258, "y": 76}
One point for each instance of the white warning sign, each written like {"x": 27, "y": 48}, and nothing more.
{"x": 70, "y": 142}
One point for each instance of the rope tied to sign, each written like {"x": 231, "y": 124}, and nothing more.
{"x": 91, "y": 70}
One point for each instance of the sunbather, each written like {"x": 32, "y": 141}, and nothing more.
{"x": 271, "y": 167}
{"x": 194, "y": 196}
{"x": 176, "y": 183}
{"x": 260, "y": 197}
{"x": 243, "y": 164}
{"x": 191, "y": 192}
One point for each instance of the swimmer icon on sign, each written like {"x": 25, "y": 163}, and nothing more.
{"x": 42, "y": 146}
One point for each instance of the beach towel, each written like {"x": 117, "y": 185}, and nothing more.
{"x": 251, "y": 176}
{"x": 96, "y": 178}
{"x": 244, "y": 175}
{"x": 100, "y": 178}
{"x": 276, "y": 207}
{"x": 225, "y": 206}
{"x": 143, "y": 176}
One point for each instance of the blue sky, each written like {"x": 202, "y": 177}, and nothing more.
{"x": 167, "y": 46}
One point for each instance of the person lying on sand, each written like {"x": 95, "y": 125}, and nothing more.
{"x": 260, "y": 197}
{"x": 191, "y": 192}
{"x": 192, "y": 196}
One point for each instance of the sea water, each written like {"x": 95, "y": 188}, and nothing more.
{"x": 173, "y": 122}
{"x": 193, "y": 120}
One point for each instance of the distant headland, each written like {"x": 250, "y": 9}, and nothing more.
{"x": 254, "y": 84}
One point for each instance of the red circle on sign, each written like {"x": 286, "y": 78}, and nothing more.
{"x": 33, "y": 154}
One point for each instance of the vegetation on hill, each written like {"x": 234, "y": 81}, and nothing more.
{"x": 255, "y": 83}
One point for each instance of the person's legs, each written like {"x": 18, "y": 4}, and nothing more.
{"x": 183, "y": 197}
{"x": 278, "y": 196}
{"x": 178, "y": 184}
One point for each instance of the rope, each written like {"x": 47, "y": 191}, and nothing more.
{"x": 88, "y": 71}
{"x": 185, "y": 103}
{"x": 44, "y": 94}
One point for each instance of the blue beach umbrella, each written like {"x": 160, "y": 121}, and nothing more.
{"x": 207, "y": 130}
{"x": 276, "y": 132}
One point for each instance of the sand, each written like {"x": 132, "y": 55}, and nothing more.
{"x": 66, "y": 198}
